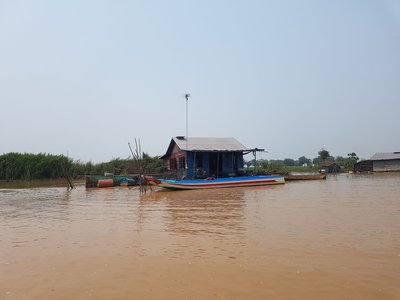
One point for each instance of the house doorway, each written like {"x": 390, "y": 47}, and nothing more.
{"x": 215, "y": 164}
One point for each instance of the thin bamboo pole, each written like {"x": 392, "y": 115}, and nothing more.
{"x": 137, "y": 156}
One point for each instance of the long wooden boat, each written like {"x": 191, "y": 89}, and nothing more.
{"x": 305, "y": 177}
{"x": 192, "y": 184}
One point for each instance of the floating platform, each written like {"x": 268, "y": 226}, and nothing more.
{"x": 110, "y": 181}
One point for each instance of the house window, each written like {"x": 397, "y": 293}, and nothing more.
{"x": 181, "y": 163}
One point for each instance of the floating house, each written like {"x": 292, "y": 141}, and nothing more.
{"x": 201, "y": 157}
{"x": 380, "y": 162}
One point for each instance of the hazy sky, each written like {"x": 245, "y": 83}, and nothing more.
{"x": 87, "y": 77}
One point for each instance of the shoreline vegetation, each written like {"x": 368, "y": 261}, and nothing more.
{"x": 27, "y": 166}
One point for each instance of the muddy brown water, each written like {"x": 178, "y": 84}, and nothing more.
{"x": 333, "y": 239}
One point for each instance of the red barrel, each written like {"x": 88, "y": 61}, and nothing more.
{"x": 105, "y": 183}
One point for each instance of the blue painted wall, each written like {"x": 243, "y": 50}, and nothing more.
{"x": 231, "y": 163}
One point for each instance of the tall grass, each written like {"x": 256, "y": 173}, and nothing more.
{"x": 28, "y": 166}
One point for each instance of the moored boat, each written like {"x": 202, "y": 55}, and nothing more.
{"x": 209, "y": 183}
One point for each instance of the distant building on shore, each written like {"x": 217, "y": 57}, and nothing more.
{"x": 380, "y": 162}
{"x": 330, "y": 167}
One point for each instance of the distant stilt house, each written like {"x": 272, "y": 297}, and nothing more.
{"x": 203, "y": 157}
{"x": 380, "y": 162}
{"x": 330, "y": 167}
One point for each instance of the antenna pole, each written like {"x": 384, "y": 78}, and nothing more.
{"x": 187, "y": 122}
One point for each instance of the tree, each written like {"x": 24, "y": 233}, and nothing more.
{"x": 340, "y": 160}
{"x": 288, "y": 162}
{"x": 323, "y": 154}
{"x": 304, "y": 161}
{"x": 317, "y": 160}
{"x": 352, "y": 159}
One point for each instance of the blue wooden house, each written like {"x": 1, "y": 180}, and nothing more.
{"x": 198, "y": 157}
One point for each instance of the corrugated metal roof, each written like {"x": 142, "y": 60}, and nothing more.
{"x": 386, "y": 156}
{"x": 209, "y": 144}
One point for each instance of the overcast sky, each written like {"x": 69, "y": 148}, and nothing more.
{"x": 87, "y": 77}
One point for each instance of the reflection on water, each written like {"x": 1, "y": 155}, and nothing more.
{"x": 192, "y": 215}
{"x": 336, "y": 239}
{"x": 197, "y": 212}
